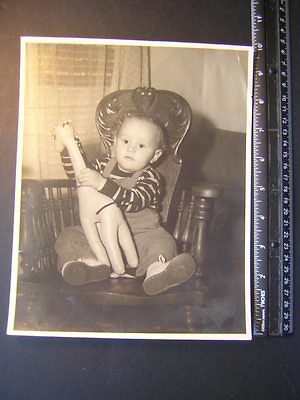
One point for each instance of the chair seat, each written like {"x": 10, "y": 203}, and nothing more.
{"x": 52, "y": 305}
{"x": 119, "y": 292}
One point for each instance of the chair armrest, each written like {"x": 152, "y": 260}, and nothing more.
{"x": 47, "y": 206}
{"x": 194, "y": 214}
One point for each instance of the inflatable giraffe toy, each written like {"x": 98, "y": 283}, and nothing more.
{"x": 102, "y": 221}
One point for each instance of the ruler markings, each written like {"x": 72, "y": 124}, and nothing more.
{"x": 281, "y": 272}
{"x": 260, "y": 196}
{"x": 286, "y": 157}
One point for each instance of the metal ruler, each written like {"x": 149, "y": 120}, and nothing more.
{"x": 280, "y": 149}
{"x": 260, "y": 175}
{"x": 272, "y": 171}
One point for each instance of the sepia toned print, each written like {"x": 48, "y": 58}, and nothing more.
{"x": 173, "y": 225}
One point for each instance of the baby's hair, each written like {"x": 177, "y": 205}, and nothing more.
{"x": 163, "y": 142}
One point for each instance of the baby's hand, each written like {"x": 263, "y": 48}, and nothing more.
{"x": 89, "y": 177}
{"x": 63, "y": 133}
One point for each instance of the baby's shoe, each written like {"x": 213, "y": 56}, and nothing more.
{"x": 82, "y": 271}
{"x": 162, "y": 275}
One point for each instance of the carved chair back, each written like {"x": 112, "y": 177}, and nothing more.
{"x": 171, "y": 110}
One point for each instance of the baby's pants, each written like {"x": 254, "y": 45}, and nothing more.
{"x": 150, "y": 238}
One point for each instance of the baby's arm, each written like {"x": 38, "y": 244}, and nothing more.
{"x": 144, "y": 194}
{"x": 89, "y": 176}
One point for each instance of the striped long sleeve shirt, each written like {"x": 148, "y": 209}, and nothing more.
{"x": 145, "y": 192}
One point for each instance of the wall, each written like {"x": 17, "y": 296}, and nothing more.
{"x": 215, "y": 84}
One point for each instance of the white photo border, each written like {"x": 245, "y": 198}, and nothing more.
{"x": 17, "y": 208}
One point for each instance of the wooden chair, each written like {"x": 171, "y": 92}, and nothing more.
{"x": 50, "y": 205}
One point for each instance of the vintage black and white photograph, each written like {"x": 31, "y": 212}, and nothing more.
{"x": 133, "y": 190}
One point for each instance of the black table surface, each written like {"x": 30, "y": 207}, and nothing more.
{"x": 41, "y": 368}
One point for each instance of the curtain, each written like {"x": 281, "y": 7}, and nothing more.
{"x": 67, "y": 81}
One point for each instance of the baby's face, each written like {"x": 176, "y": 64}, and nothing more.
{"x": 137, "y": 145}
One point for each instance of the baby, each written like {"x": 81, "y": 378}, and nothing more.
{"x": 130, "y": 180}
